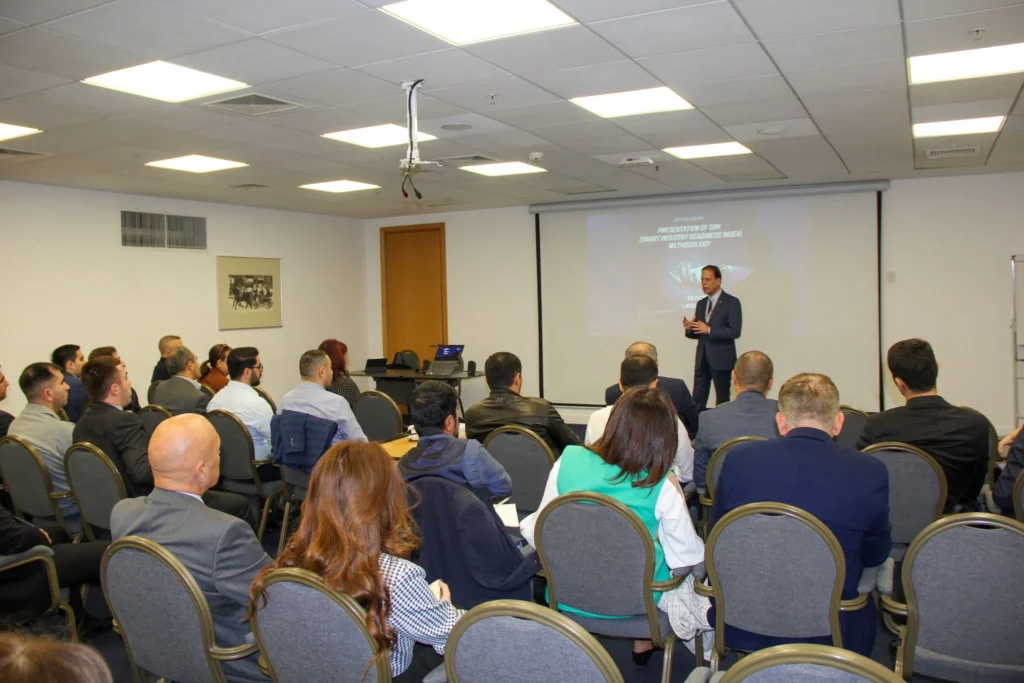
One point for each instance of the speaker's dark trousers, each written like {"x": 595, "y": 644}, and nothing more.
{"x": 703, "y": 376}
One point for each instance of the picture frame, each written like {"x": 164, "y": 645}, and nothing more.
{"x": 248, "y": 292}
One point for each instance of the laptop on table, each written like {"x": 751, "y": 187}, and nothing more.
{"x": 446, "y": 361}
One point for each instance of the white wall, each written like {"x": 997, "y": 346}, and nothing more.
{"x": 67, "y": 279}
{"x": 948, "y": 241}
{"x": 492, "y": 288}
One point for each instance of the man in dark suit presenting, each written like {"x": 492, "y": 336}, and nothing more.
{"x": 716, "y": 326}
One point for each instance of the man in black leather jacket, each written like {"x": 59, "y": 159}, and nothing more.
{"x": 505, "y": 406}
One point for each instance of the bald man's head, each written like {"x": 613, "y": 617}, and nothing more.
{"x": 184, "y": 454}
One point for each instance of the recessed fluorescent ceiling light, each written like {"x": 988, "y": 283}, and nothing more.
{"x": 196, "y": 163}
{"x": 377, "y": 136}
{"x": 8, "y": 131}
{"x": 953, "y": 66}
{"x": 722, "y": 149}
{"x": 506, "y": 168}
{"x": 647, "y": 101}
{"x": 167, "y": 82}
{"x": 461, "y": 22}
{"x": 988, "y": 124}
{"x": 340, "y": 186}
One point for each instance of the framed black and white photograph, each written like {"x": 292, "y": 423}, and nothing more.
{"x": 249, "y": 292}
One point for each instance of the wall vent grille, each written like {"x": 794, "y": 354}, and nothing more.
{"x": 161, "y": 231}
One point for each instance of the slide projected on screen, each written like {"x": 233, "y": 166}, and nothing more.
{"x": 804, "y": 269}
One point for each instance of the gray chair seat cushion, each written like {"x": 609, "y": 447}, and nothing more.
{"x": 630, "y": 627}
{"x": 930, "y": 663}
{"x": 248, "y": 488}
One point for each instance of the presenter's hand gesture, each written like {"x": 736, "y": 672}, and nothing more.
{"x": 687, "y": 323}
{"x": 699, "y": 328}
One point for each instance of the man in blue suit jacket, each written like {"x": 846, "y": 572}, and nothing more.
{"x": 716, "y": 326}
{"x": 846, "y": 490}
{"x": 675, "y": 388}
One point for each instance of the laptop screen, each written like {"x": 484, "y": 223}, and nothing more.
{"x": 449, "y": 352}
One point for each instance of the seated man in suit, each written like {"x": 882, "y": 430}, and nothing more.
{"x": 5, "y": 418}
{"x": 1002, "y": 492}
{"x": 39, "y": 425}
{"x": 133, "y": 405}
{"x": 958, "y": 438}
{"x": 167, "y": 345}
{"x": 641, "y": 371}
{"x": 313, "y": 398}
{"x": 675, "y": 388}
{"x": 847, "y": 491}
{"x": 221, "y": 552}
{"x": 504, "y": 373}
{"x": 123, "y": 439}
{"x": 70, "y": 360}
{"x": 751, "y": 413}
{"x": 181, "y": 393}
{"x": 440, "y": 453}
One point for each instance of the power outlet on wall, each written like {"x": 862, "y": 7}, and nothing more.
{"x": 890, "y": 276}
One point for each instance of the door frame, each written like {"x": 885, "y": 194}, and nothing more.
{"x": 423, "y": 227}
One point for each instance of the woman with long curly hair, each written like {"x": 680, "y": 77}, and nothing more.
{"x": 356, "y": 533}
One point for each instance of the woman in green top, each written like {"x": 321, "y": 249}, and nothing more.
{"x": 632, "y": 463}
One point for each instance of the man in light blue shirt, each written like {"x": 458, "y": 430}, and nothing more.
{"x": 311, "y": 397}
{"x": 243, "y": 401}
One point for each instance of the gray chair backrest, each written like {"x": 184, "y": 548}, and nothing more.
{"x": 26, "y": 478}
{"x": 163, "y": 615}
{"x": 993, "y": 448}
{"x": 776, "y": 570}
{"x": 151, "y": 391}
{"x": 488, "y": 643}
{"x": 379, "y": 416}
{"x": 717, "y": 461}
{"x": 964, "y": 595}
{"x": 408, "y": 359}
{"x": 528, "y": 461}
{"x": 151, "y": 416}
{"x": 575, "y": 536}
{"x": 236, "y": 448}
{"x": 266, "y": 397}
{"x": 95, "y": 483}
{"x": 335, "y": 647}
{"x": 917, "y": 488}
{"x": 805, "y": 663}
{"x": 1018, "y": 497}
{"x": 853, "y": 427}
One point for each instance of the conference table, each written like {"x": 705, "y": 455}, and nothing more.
{"x": 399, "y": 384}
{"x": 399, "y": 447}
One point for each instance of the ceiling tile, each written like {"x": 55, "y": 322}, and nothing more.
{"x": 508, "y": 92}
{"x": 542, "y": 115}
{"x": 787, "y": 128}
{"x": 38, "y": 116}
{"x": 180, "y": 117}
{"x": 1009, "y": 148}
{"x": 479, "y": 125}
{"x": 438, "y": 69}
{"x": 331, "y": 88}
{"x": 677, "y": 122}
{"x": 393, "y": 109}
{"x": 37, "y": 11}
{"x": 864, "y": 76}
{"x": 145, "y": 28}
{"x": 840, "y": 48}
{"x": 53, "y": 53}
{"x": 735, "y": 164}
{"x": 621, "y": 144}
{"x": 600, "y": 10}
{"x": 800, "y": 155}
{"x": 789, "y": 18}
{"x": 88, "y": 100}
{"x": 708, "y": 66}
{"x": 8, "y": 25}
{"x": 883, "y": 103}
{"x": 715, "y": 24}
{"x": 363, "y": 38}
{"x": 926, "y": 9}
{"x": 968, "y": 90}
{"x": 961, "y": 110}
{"x": 252, "y": 133}
{"x": 509, "y": 141}
{"x": 14, "y": 82}
{"x": 580, "y": 130}
{"x": 60, "y": 141}
{"x": 753, "y": 112}
{"x": 264, "y": 16}
{"x": 562, "y": 48}
{"x": 254, "y": 61}
{"x": 320, "y": 121}
{"x": 951, "y": 33}
{"x": 760, "y": 88}
{"x": 597, "y": 79}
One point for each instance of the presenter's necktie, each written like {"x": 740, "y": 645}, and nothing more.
{"x": 711, "y": 305}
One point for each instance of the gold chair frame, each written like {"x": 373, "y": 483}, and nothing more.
{"x": 52, "y": 495}
{"x": 102, "y": 457}
{"x": 806, "y": 653}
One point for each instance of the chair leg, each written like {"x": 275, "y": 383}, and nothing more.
{"x": 698, "y": 646}
{"x": 666, "y": 668}
{"x": 266, "y": 512}
{"x": 69, "y": 616}
{"x": 284, "y": 526}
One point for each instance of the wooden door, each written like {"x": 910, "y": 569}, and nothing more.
{"x": 413, "y": 289}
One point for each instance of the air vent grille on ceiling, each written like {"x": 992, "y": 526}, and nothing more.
{"x": 465, "y": 159}
{"x": 250, "y": 186}
{"x": 253, "y": 104}
{"x": 140, "y": 229}
{"x": 953, "y": 152}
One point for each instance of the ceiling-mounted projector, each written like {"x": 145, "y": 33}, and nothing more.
{"x": 632, "y": 162}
